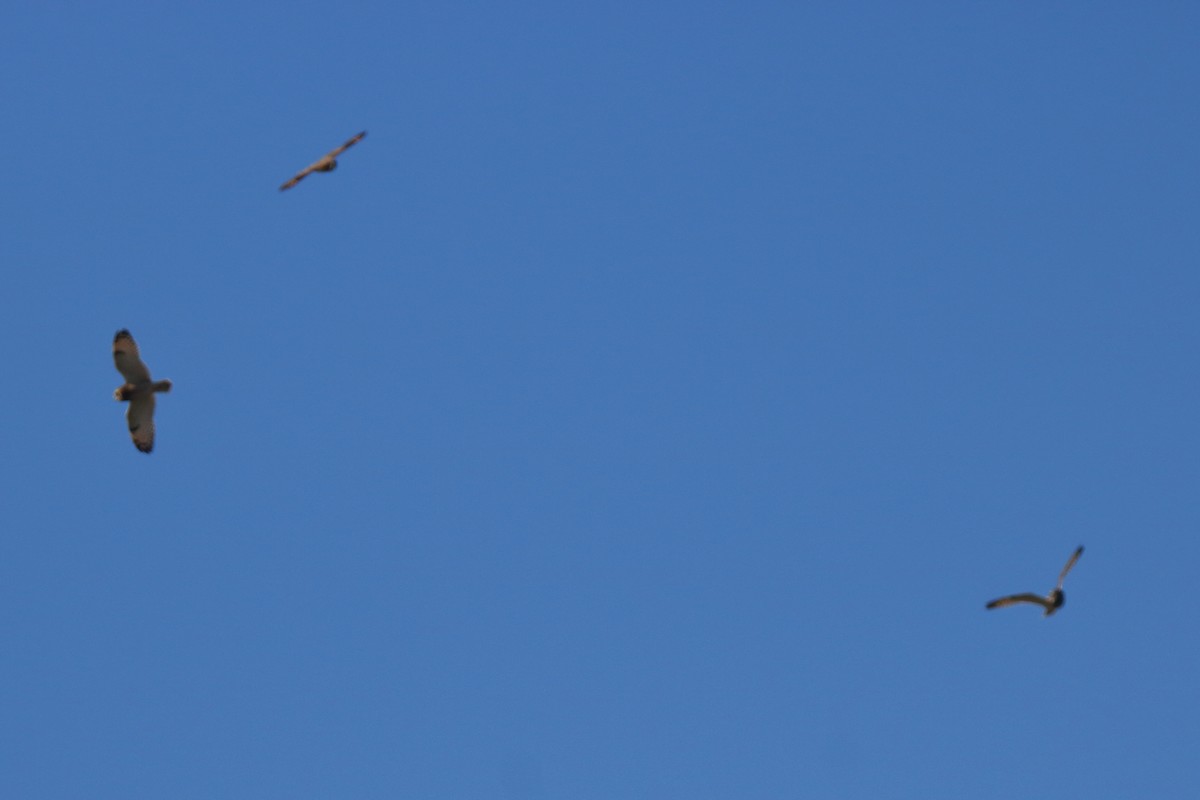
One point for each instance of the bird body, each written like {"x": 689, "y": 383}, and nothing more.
{"x": 138, "y": 390}
{"x": 1051, "y": 602}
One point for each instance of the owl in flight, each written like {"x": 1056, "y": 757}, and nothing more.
{"x": 1051, "y": 602}
{"x": 138, "y": 390}
{"x": 327, "y": 163}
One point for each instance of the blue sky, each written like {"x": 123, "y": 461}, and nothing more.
{"x": 646, "y": 408}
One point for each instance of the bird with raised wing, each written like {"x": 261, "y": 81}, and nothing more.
{"x": 327, "y": 162}
{"x": 138, "y": 390}
{"x": 1051, "y": 602}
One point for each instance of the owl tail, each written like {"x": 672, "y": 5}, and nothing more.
{"x": 161, "y": 386}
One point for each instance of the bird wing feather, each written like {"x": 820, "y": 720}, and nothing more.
{"x": 1062, "y": 576}
{"x": 1025, "y": 597}
{"x": 140, "y": 417}
{"x": 127, "y": 360}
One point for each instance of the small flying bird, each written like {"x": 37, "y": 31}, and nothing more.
{"x": 138, "y": 390}
{"x": 1051, "y": 602}
{"x": 327, "y": 163}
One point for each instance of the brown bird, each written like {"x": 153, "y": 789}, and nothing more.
{"x": 138, "y": 390}
{"x": 327, "y": 163}
{"x": 1051, "y": 602}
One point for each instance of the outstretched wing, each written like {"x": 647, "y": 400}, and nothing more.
{"x": 125, "y": 356}
{"x": 141, "y": 421}
{"x": 1070, "y": 563}
{"x": 1026, "y": 597}
{"x": 301, "y": 175}
{"x": 322, "y": 162}
{"x": 337, "y": 151}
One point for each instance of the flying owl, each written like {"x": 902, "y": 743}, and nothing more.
{"x": 138, "y": 390}
{"x": 1051, "y": 602}
{"x": 327, "y": 163}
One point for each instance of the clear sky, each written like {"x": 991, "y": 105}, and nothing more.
{"x": 645, "y": 408}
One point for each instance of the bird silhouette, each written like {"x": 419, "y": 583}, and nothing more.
{"x": 1051, "y": 602}
{"x": 327, "y": 162}
{"x": 138, "y": 390}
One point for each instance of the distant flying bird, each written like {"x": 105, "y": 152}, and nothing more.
{"x": 138, "y": 389}
{"x": 1051, "y": 602}
{"x": 327, "y": 163}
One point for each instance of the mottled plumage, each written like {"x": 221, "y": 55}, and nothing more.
{"x": 327, "y": 162}
{"x": 1051, "y": 602}
{"x": 138, "y": 390}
